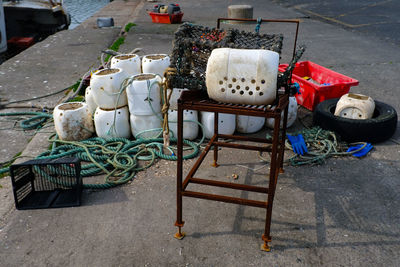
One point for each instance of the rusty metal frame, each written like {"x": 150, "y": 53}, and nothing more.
{"x": 198, "y": 100}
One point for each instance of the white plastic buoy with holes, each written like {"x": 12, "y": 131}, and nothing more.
{"x": 144, "y": 124}
{"x": 89, "y": 99}
{"x": 226, "y": 123}
{"x": 190, "y": 127}
{"x": 176, "y": 93}
{"x": 355, "y": 106}
{"x": 106, "y": 88}
{"x": 249, "y": 124}
{"x": 155, "y": 63}
{"x": 112, "y": 123}
{"x": 292, "y": 115}
{"x": 130, "y": 63}
{"x": 242, "y": 76}
{"x": 73, "y": 121}
{"x": 143, "y": 94}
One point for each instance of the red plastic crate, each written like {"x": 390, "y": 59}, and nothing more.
{"x": 166, "y": 18}
{"x": 313, "y": 93}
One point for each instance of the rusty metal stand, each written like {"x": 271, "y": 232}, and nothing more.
{"x": 198, "y": 100}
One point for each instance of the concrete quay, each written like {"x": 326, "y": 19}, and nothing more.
{"x": 341, "y": 213}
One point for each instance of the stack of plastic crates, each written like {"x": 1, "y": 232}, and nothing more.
{"x": 47, "y": 183}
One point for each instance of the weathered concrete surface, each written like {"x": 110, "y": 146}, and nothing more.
{"x": 342, "y": 213}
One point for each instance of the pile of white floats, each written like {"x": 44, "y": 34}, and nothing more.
{"x": 126, "y": 107}
{"x": 126, "y": 100}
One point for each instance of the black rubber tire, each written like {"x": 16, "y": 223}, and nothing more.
{"x": 379, "y": 128}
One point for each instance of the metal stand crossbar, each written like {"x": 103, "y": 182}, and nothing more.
{"x": 198, "y": 100}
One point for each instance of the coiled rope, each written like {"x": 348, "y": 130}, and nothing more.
{"x": 321, "y": 144}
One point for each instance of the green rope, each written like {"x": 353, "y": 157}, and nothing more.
{"x": 321, "y": 144}
{"x": 118, "y": 158}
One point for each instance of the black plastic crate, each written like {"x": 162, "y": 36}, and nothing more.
{"x": 47, "y": 183}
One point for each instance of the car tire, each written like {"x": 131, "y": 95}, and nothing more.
{"x": 379, "y": 128}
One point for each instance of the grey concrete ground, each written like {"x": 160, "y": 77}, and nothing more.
{"x": 342, "y": 213}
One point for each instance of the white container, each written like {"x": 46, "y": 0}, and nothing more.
{"x": 249, "y": 124}
{"x": 143, "y": 92}
{"x": 242, "y": 76}
{"x": 226, "y": 123}
{"x": 89, "y": 99}
{"x": 292, "y": 115}
{"x": 141, "y": 123}
{"x": 130, "y": 63}
{"x": 73, "y": 121}
{"x": 112, "y": 123}
{"x": 155, "y": 63}
{"x": 190, "y": 129}
{"x": 106, "y": 87}
{"x": 173, "y": 101}
{"x": 355, "y": 106}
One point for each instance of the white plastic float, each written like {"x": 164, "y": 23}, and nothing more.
{"x": 143, "y": 91}
{"x": 106, "y": 87}
{"x": 89, "y": 99}
{"x": 130, "y": 63}
{"x": 226, "y": 123}
{"x": 190, "y": 127}
{"x": 112, "y": 123}
{"x": 292, "y": 115}
{"x": 355, "y": 106}
{"x": 143, "y": 123}
{"x": 155, "y": 63}
{"x": 73, "y": 121}
{"x": 242, "y": 76}
{"x": 249, "y": 124}
{"x": 176, "y": 93}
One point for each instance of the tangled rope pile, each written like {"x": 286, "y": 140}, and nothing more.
{"x": 321, "y": 145}
{"x": 118, "y": 158}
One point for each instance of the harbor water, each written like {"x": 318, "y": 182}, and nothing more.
{"x": 81, "y": 10}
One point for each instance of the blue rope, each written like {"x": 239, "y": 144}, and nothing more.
{"x": 257, "y": 29}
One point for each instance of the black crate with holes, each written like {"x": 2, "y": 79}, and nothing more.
{"x": 47, "y": 183}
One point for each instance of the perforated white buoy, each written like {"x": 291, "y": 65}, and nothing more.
{"x": 130, "y": 63}
{"x": 89, "y": 99}
{"x": 112, "y": 123}
{"x": 249, "y": 124}
{"x": 155, "y": 63}
{"x": 176, "y": 93}
{"x": 144, "y": 123}
{"x": 143, "y": 92}
{"x": 242, "y": 76}
{"x": 292, "y": 115}
{"x": 190, "y": 129}
{"x": 106, "y": 88}
{"x": 226, "y": 123}
{"x": 73, "y": 121}
{"x": 355, "y": 106}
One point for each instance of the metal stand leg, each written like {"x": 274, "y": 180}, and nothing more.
{"x": 282, "y": 142}
{"x": 266, "y": 237}
{"x": 179, "y": 222}
{"x": 216, "y": 119}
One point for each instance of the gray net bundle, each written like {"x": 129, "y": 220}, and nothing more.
{"x": 192, "y": 47}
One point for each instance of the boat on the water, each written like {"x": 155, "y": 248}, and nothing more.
{"x": 34, "y": 18}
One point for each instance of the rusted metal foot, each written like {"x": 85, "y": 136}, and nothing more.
{"x": 281, "y": 170}
{"x": 179, "y": 235}
{"x": 265, "y": 246}
{"x": 214, "y": 164}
